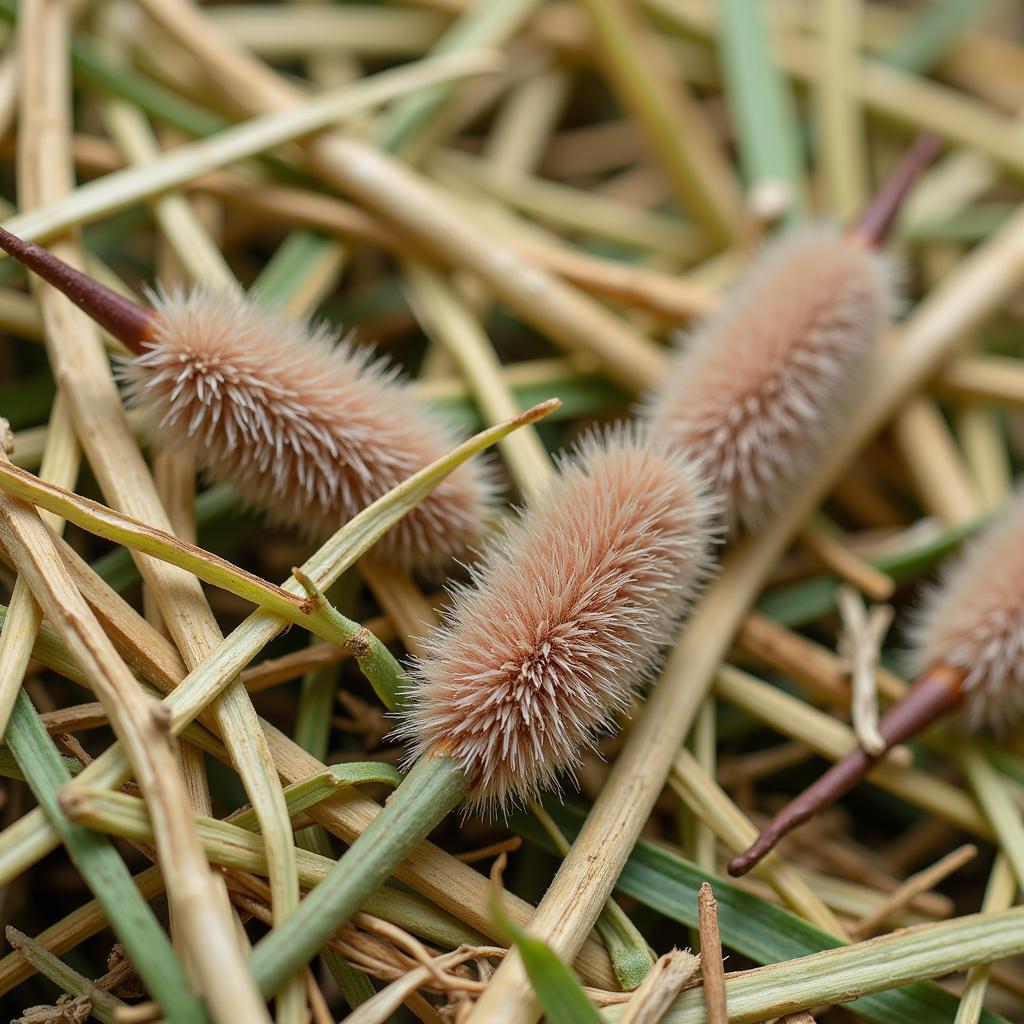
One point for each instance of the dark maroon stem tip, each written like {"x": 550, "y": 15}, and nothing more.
{"x": 932, "y": 695}
{"x": 127, "y": 321}
{"x": 877, "y": 220}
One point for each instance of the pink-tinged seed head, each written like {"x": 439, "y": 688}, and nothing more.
{"x": 759, "y": 389}
{"x": 301, "y": 423}
{"x": 567, "y": 612}
{"x": 974, "y": 621}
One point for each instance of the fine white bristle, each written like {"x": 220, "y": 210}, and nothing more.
{"x": 567, "y": 612}
{"x": 974, "y": 621}
{"x": 301, "y": 423}
{"x": 758, "y": 390}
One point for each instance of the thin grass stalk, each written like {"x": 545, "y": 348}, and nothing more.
{"x": 302, "y": 271}
{"x": 839, "y": 129}
{"x": 521, "y": 131}
{"x": 921, "y": 882}
{"x": 999, "y": 895}
{"x": 81, "y": 924}
{"x": 937, "y": 469}
{"x": 984, "y": 378}
{"x": 821, "y": 538}
{"x": 491, "y": 23}
{"x": 102, "y": 1004}
{"x": 761, "y": 108}
{"x": 293, "y": 31}
{"x": 704, "y": 740}
{"x": 674, "y": 123}
{"x": 61, "y": 459}
{"x": 8, "y": 92}
{"x": 996, "y": 794}
{"x": 971, "y": 293}
{"x": 421, "y": 211}
{"x": 121, "y": 189}
{"x": 979, "y": 432}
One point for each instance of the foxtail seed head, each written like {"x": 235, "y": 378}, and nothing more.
{"x": 973, "y": 620}
{"x": 301, "y": 422}
{"x": 761, "y": 387}
{"x": 567, "y": 612}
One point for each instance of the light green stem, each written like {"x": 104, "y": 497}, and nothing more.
{"x": 434, "y": 786}
{"x": 103, "y": 1005}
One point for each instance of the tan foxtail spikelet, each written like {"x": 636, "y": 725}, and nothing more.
{"x": 974, "y": 621}
{"x": 758, "y": 390}
{"x": 301, "y": 422}
{"x": 566, "y": 613}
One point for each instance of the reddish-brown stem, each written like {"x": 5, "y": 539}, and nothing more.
{"x": 877, "y": 220}
{"x": 127, "y": 321}
{"x": 933, "y": 694}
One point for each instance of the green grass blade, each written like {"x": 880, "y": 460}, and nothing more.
{"x": 103, "y": 870}
{"x": 932, "y": 32}
{"x": 294, "y": 259}
{"x": 300, "y": 796}
{"x": 804, "y": 602}
{"x": 557, "y": 989}
{"x": 759, "y": 101}
{"x": 222, "y": 525}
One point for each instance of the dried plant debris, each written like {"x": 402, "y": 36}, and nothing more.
{"x": 571, "y": 443}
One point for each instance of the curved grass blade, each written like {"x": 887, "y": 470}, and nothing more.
{"x": 557, "y": 989}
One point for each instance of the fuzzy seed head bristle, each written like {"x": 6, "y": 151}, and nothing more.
{"x": 301, "y": 423}
{"x": 567, "y": 612}
{"x": 758, "y": 390}
{"x": 974, "y": 621}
